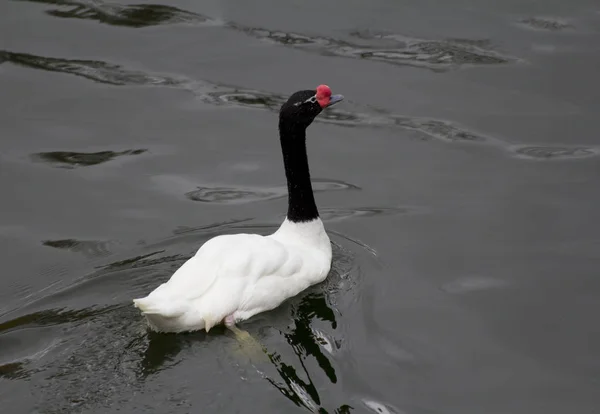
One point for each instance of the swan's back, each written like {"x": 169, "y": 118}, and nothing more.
{"x": 239, "y": 275}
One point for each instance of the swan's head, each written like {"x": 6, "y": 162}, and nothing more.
{"x": 303, "y": 106}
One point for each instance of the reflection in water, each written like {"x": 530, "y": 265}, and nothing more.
{"x": 304, "y": 343}
{"x": 134, "y": 15}
{"x": 238, "y": 195}
{"x": 160, "y": 348}
{"x": 116, "y": 352}
{"x": 66, "y": 159}
{"x": 112, "y": 342}
{"x": 380, "y": 408}
{"x": 317, "y": 304}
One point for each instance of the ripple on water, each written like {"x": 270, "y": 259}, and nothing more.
{"x": 89, "y": 248}
{"x": 239, "y": 195}
{"x": 230, "y": 195}
{"x": 115, "y": 14}
{"x": 438, "y": 129}
{"x": 70, "y": 160}
{"x": 341, "y": 213}
{"x": 317, "y": 334}
{"x": 95, "y": 70}
{"x": 386, "y": 408}
{"x": 14, "y": 371}
{"x": 553, "y": 152}
{"x": 372, "y": 117}
{"x": 329, "y": 344}
{"x": 219, "y": 94}
{"x": 249, "y": 98}
{"x": 245, "y": 98}
{"x": 472, "y": 284}
{"x": 111, "y": 343}
{"x": 49, "y": 317}
{"x": 380, "y": 408}
{"x": 388, "y": 48}
{"x": 107, "y": 362}
{"x": 207, "y": 92}
{"x": 431, "y": 54}
{"x": 545, "y": 23}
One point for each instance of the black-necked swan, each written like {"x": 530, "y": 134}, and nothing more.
{"x": 234, "y": 277}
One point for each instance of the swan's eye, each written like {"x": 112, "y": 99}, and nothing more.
{"x": 312, "y": 99}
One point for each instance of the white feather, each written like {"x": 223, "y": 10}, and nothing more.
{"x": 239, "y": 275}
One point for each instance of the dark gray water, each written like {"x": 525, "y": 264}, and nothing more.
{"x": 458, "y": 181}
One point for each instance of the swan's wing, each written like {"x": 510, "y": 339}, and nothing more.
{"x": 215, "y": 279}
{"x": 245, "y": 256}
{"x": 257, "y": 280}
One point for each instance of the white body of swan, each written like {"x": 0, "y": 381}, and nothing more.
{"x": 238, "y": 276}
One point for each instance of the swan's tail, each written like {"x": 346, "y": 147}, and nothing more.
{"x": 159, "y": 306}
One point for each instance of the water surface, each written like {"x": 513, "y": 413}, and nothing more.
{"x": 458, "y": 182}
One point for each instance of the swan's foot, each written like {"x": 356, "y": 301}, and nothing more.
{"x": 248, "y": 347}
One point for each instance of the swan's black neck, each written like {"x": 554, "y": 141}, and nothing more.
{"x": 301, "y": 200}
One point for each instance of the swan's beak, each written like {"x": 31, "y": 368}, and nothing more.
{"x": 334, "y": 99}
